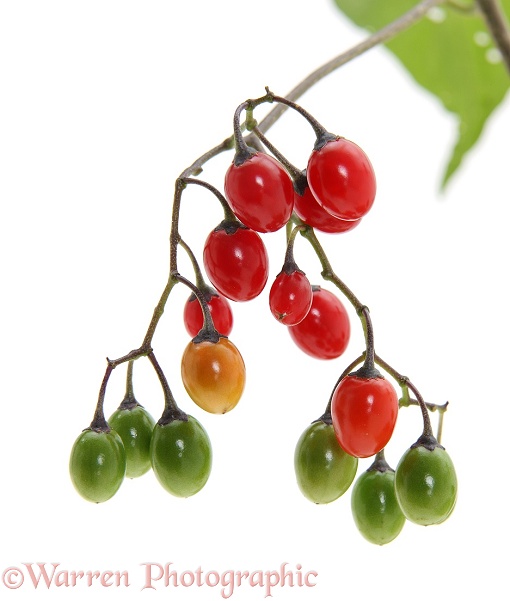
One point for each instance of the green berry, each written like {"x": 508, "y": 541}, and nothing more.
{"x": 135, "y": 427}
{"x": 181, "y": 456}
{"x": 374, "y": 505}
{"x": 98, "y": 464}
{"x": 426, "y": 484}
{"x": 324, "y": 471}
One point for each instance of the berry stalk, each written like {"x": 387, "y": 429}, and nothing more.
{"x": 99, "y": 423}
{"x": 171, "y": 410}
{"x": 404, "y": 381}
{"x": 362, "y": 310}
{"x": 208, "y": 332}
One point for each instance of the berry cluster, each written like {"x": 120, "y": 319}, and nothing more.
{"x": 265, "y": 193}
{"x": 360, "y": 418}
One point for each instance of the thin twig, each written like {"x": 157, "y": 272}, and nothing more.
{"x": 386, "y": 33}
{"x": 498, "y": 26}
{"x": 379, "y": 37}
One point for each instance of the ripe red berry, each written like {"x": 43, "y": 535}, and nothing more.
{"x": 364, "y": 412}
{"x": 342, "y": 179}
{"x": 290, "y": 297}
{"x": 236, "y": 261}
{"x": 310, "y": 211}
{"x": 260, "y": 192}
{"x": 325, "y": 331}
{"x": 219, "y": 308}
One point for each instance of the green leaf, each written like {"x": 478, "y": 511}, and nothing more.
{"x": 451, "y": 54}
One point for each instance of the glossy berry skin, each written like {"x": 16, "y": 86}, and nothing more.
{"x": 325, "y": 331}
{"x": 310, "y": 211}
{"x": 342, "y": 179}
{"x": 426, "y": 485}
{"x": 213, "y": 374}
{"x": 236, "y": 262}
{"x": 374, "y": 506}
{"x": 97, "y": 464}
{"x": 290, "y": 297}
{"x": 260, "y": 193}
{"x": 181, "y": 456}
{"x": 364, "y": 412}
{"x": 324, "y": 471}
{"x": 219, "y": 308}
{"x": 135, "y": 427}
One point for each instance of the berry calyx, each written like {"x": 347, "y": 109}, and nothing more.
{"x": 342, "y": 179}
{"x": 325, "y": 331}
{"x": 236, "y": 261}
{"x": 213, "y": 374}
{"x": 364, "y": 412}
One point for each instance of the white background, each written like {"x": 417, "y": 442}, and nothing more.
{"x": 103, "y": 104}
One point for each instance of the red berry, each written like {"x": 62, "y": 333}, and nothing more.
{"x": 260, "y": 193}
{"x": 290, "y": 297}
{"x": 364, "y": 412}
{"x": 236, "y": 261}
{"x": 219, "y": 308}
{"x": 325, "y": 331}
{"x": 342, "y": 179}
{"x": 310, "y": 211}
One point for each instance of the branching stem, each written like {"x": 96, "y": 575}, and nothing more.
{"x": 404, "y": 22}
{"x": 500, "y": 31}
